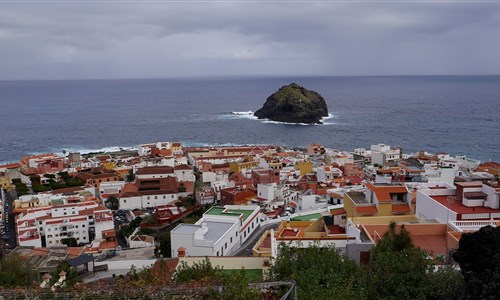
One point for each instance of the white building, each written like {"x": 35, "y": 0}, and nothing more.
{"x": 327, "y": 173}
{"x": 465, "y": 204}
{"x": 154, "y": 172}
{"x": 110, "y": 188}
{"x": 184, "y": 173}
{"x": 220, "y": 232}
{"x": 146, "y": 149}
{"x": 46, "y": 227}
{"x": 383, "y": 155}
{"x": 144, "y": 193}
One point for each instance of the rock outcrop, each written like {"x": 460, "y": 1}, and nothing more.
{"x": 294, "y": 104}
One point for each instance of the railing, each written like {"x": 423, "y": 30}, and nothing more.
{"x": 471, "y": 225}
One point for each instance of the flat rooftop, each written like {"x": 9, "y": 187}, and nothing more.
{"x": 222, "y": 211}
{"x": 358, "y": 197}
{"x": 215, "y": 229}
{"x": 309, "y": 217}
{"x": 459, "y": 208}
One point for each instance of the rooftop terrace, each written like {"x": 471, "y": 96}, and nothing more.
{"x": 222, "y": 211}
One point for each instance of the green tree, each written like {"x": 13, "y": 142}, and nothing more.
{"x": 445, "y": 283}
{"x": 320, "y": 272}
{"x": 71, "y": 274}
{"x": 202, "y": 270}
{"x": 130, "y": 176}
{"x": 70, "y": 242}
{"x": 236, "y": 286}
{"x": 112, "y": 203}
{"x": 479, "y": 257}
{"x": 398, "y": 270}
{"x": 15, "y": 271}
{"x": 164, "y": 247}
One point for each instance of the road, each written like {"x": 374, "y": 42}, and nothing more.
{"x": 246, "y": 248}
{"x": 10, "y": 226}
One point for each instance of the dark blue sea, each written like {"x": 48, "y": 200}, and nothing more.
{"x": 453, "y": 114}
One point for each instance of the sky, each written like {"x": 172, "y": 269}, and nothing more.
{"x": 162, "y": 39}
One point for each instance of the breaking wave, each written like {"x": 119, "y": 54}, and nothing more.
{"x": 249, "y": 115}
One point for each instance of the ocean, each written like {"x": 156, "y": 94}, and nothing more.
{"x": 452, "y": 114}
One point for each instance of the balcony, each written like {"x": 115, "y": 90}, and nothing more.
{"x": 471, "y": 225}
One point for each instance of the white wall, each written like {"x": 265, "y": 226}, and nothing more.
{"x": 266, "y": 191}
{"x": 493, "y": 199}
{"x": 428, "y": 208}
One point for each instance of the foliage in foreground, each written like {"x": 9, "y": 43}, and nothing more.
{"x": 398, "y": 270}
{"x": 479, "y": 258}
{"x": 232, "y": 285}
{"x": 14, "y": 272}
{"x": 320, "y": 273}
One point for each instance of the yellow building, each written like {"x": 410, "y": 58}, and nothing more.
{"x": 176, "y": 148}
{"x": 300, "y": 234}
{"x": 5, "y": 183}
{"x": 305, "y": 167}
{"x": 239, "y": 166}
{"x": 109, "y": 165}
{"x": 379, "y": 200}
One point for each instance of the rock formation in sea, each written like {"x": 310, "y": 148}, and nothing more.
{"x": 294, "y": 104}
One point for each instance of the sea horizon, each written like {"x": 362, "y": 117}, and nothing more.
{"x": 435, "y": 113}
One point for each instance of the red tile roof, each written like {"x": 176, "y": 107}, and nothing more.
{"x": 155, "y": 170}
{"x": 384, "y": 192}
{"x": 339, "y": 211}
{"x": 400, "y": 208}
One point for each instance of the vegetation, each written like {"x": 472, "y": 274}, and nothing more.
{"x": 130, "y": 176}
{"x": 479, "y": 258}
{"x": 15, "y": 272}
{"x": 398, "y": 270}
{"x": 235, "y": 285}
{"x": 320, "y": 273}
{"x": 112, "y": 203}
{"x": 70, "y": 242}
{"x": 164, "y": 249}
{"x": 126, "y": 231}
{"x": 21, "y": 188}
{"x": 71, "y": 274}
{"x": 52, "y": 184}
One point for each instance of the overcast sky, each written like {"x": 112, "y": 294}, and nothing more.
{"x": 127, "y": 39}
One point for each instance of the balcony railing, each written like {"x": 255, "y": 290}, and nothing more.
{"x": 471, "y": 225}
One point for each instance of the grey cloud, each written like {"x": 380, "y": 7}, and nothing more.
{"x": 157, "y": 39}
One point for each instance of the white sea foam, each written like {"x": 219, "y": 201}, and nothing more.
{"x": 242, "y": 112}
{"x": 93, "y": 150}
{"x": 250, "y": 115}
{"x": 239, "y": 115}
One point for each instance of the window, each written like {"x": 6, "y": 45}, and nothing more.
{"x": 236, "y": 233}
{"x": 244, "y": 234}
{"x": 217, "y": 253}
{"x": 124, "y": 201}
{"x": 156, "y": 197}
{"x": 231, "y": 240}
{"x": 83, "y": 225}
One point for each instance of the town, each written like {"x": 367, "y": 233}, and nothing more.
{"x": 234, "y": 206}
